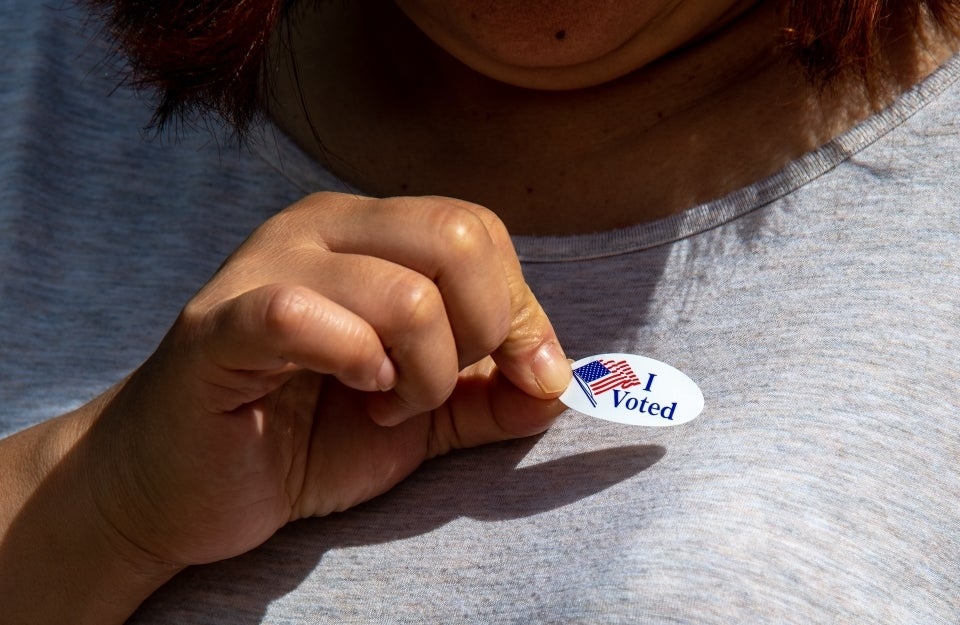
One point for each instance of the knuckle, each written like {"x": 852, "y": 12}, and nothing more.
{"x": 286, "y": 310}
{"x": 193, "y": 314}
{"x": 492, "y": 223}
{"x": 493, "y": 226}
{"x": 193, "y": 327}
{"x": 462, "y": 234}
{"x": 308, "y": 204}
{"x": 300, "y": 221}
{"x": 280, "y": 223}
{"x": 417, "y": 302}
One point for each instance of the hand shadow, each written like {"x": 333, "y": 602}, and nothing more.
{"x": 483, "y": 484}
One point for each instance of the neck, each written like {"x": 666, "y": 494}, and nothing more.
{"x": 397, "y": 116}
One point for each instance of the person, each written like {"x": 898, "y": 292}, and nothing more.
{"x": 440, "y": 195}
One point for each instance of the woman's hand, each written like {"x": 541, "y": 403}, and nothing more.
{"x": 345, "y": 342}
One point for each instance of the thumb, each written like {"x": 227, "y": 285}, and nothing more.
{"x": 486, "y": 407}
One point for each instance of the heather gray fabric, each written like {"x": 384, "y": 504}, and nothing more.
{"x": 818, "y": 311}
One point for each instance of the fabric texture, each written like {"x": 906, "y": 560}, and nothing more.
{"x": 817, "y": 310}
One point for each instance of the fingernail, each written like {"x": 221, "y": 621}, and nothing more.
{"x": 551, "y": 369}
{"x": 387, "y": 375}
{"x": 384, "y": 412}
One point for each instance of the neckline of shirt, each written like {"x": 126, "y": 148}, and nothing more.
{"x": 290, "y": 161}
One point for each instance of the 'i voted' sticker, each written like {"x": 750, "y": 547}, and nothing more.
{"x": 631, "y": 389}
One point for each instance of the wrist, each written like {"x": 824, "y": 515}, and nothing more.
{"x": 68, "y": 562}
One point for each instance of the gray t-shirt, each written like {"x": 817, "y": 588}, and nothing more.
{"x": 817, "y": 310}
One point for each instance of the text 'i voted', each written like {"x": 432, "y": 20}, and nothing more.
{"x": 632, "y": 389}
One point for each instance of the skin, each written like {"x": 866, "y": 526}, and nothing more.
{"x": 565, "y": 45}
{"x": 719, "y": 109}
{"x": 282, "y": 391}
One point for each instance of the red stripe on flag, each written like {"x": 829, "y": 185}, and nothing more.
{"x": 621, "y": 375}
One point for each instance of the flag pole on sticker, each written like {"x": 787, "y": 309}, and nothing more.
{"x": 626, "y": 388}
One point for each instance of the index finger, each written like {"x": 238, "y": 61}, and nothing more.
{"x": 527, "y": 351}
{"x": 447, "y": 241}
{"x": 530, "y": 355}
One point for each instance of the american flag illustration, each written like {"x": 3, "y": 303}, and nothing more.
{"x": 600, "y": 376}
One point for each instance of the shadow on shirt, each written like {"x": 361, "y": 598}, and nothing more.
{"x": 486, "y": 484}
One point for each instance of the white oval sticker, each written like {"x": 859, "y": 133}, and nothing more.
{"x": 631, "y": 389}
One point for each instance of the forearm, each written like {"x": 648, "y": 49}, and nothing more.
{"x": 60, "y": 562}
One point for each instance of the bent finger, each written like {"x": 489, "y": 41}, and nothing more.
{"x": 407, "y": 311}
{"x": 447, "y": 241}
{"x": 276, "y": 326}
{"x": 492, "y": 309}
{"x": 530, "y": 356}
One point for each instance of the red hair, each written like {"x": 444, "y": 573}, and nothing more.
{"x": 829, "y": 38}
{"x": 207, "y": 56}
{"x": 200, "y": 56}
